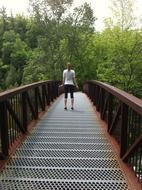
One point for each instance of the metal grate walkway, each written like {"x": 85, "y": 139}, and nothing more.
{"x": 66, "y": 151}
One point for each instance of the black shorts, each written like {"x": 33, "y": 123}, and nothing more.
{"x": 69, "y": 88}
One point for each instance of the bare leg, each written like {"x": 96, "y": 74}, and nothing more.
{"x": 65, "y": 102}
{"x": 72, "y": 102}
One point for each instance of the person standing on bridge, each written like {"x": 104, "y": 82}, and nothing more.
{"x": 69, "y": 81}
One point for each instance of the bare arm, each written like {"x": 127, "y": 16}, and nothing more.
{"x": 63, "y": 82}
{"x": 75, "y": 83}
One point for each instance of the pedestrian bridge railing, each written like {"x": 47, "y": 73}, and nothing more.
{"x": 123, "y": 114}
{"x": 121, "y": 111}
{"x": 19, "y": 107}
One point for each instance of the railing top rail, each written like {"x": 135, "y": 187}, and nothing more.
{"x": 132, "y": 101}
{"x": 8, "y": 93}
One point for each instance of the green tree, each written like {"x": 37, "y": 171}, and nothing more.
{"x": 121, "y": 49}
{"x": 36, "y": 66}
{"x": 80, "y": 30}
{"x": 122, "y": 11}
{"x": 122, "y": 59}
{"x": 9, "y": 38}
{"x": 14, "y": 54}
{"x": 3, "y": 69}
{"x": 20, "y": 26}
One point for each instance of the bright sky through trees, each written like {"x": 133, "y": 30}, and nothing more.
{"x": 100, "y": 7}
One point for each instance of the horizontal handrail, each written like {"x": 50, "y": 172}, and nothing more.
{"x": 10, "y": 92}
{"x": 123, "y": 96}
{"x": 123, "y": 114}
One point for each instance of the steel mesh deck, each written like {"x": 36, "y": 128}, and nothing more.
{"x": 66, "y": 151}
{"x": 24, "y": 184}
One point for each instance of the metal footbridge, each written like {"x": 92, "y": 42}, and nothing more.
{"x": 66, "y": 150}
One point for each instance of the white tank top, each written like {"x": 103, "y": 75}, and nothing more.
{"x": 69, "y": 76}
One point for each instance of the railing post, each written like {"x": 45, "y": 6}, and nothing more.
{"x": 110, "y": 109}
{"x": 51, "y": 91}
{"x": 36, "y": 102}
{"x": 24, "y": 110}
{"x": 4, "y": 130}
{"x": 43, "y": 95}
{"x": 48, "y": 94}
{"x": 93, "y": 94}
{"x": 86, "y": 89}
{"x": 89, "y": 90}
{"x": 54, "y": 90}
{"x": 95, "y": 97}
{"x": 102, "y": 102}
{"x": 57, "y": 84}
{"x": 98, "y": 98}
{"x": 124, "y": 122}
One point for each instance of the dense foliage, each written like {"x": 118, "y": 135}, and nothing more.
{"x": 38, "y": 47}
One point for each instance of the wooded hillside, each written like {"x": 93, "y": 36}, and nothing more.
{"x": 38, "y": 47}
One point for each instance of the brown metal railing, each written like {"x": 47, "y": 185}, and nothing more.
{"x": 20, "y": 106}
{"x": 123, "y": 115}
